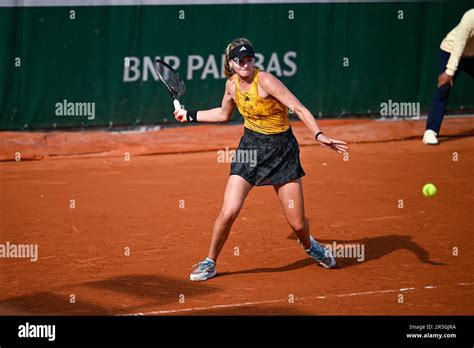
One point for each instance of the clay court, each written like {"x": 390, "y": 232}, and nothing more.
{"x": 135, "y": 204}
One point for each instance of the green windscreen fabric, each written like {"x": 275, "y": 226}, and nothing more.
{"x": 83, "y": 66}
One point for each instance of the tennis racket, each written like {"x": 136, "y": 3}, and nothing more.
{"x": 171, "y": 80}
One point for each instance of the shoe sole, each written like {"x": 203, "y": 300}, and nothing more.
{"x": 198, "y": 278}
{"x": 332, "y": 265}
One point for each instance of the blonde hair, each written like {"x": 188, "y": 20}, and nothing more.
{"x": 240, "y": 41}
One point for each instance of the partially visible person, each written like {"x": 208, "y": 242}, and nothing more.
{"x": 456, "y": 55}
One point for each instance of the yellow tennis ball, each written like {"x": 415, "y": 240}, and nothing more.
{"x": 429, "y": 190}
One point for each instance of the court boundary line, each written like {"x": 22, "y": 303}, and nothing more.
{"x": 319, "y": 297}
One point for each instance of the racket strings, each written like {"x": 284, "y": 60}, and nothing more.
{"x": 170, "y": 79}
{"x": 165, "y": 83}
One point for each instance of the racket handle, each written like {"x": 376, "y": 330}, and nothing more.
{"x": 177, "y": 104}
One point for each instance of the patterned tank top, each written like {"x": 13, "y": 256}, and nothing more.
{"x": 266, "y": 116}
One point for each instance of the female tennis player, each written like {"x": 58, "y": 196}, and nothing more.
{"x": 263, "y": 101}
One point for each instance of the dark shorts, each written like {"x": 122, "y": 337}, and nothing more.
{"x": 263, "y": 159}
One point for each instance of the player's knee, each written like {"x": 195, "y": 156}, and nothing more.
{"x": 228, "y": 214}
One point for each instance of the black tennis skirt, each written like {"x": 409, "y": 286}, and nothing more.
{"x": 271, "y": 159}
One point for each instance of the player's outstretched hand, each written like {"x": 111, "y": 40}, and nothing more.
{"x": 180, "y": 115}
{"x": 333, "y": 144}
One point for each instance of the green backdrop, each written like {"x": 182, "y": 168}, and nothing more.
{"x": 79, "y": 54}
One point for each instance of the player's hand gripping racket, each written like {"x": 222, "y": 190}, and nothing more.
{"x": 170, "y": 78}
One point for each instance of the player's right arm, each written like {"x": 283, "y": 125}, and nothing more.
{"x": 220, "y": 114}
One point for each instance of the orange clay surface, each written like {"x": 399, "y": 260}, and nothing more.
{"x": 161, "y": 208}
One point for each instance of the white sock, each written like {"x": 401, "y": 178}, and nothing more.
{"x": 208, "y": 259}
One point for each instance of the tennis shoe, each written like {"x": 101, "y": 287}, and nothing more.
{"x": 321, "y": 254}
{"x": 205, "y": 270}
{"x": 429, "y": 137}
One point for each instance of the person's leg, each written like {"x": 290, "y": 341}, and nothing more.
{"x": 235, "y": 193}
{"x": 292, "y": 201}
{"x": 441, "y": 97}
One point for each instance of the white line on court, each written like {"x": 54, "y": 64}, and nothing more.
{"x": 233, "y": 305}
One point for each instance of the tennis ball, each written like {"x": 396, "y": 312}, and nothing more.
{"x": 429, "y": 190}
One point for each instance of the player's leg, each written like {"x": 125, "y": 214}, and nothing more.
{"x": 292, "y": 201}
{"x": 236, "y": 191}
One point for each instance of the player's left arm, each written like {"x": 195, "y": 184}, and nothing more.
{"x": 274, "y": 87}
